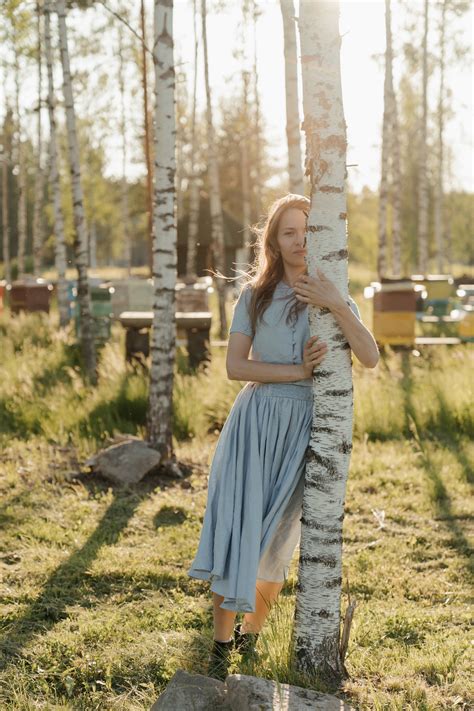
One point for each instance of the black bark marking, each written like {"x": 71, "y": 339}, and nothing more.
{"x": 336, "y": 256}
{"x": 328, "y": 561}
{"x": 324, "y": 429}
{"x": 327, "y": 462}
{"x": 320, "y": 374}
{"x": 345, "y": 447}
{"x": 333, "y": 583}
{"x": 339, "y": 393}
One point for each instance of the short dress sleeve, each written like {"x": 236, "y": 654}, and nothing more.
{"x": 354, "y": 307}
{"x": 241, "y": 318}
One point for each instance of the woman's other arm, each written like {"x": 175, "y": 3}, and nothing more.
{"x": 240, "y": 367}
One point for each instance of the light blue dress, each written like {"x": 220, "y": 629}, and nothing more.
{"x": 252, "y": 521}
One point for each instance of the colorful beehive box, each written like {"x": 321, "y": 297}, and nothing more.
{"x": 466, "y": 325}
{"x": 132, "y": 295}
{"x": 3, "y": 292}
{"x": 30, "y": 295}
{"x": 394, "y": 314}
{"x": 101, "y": 312}
{"x": 193, "y": 297}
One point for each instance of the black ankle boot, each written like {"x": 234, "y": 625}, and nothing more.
{"x": 219, "y": 659}
{"x": 245, "y": 642}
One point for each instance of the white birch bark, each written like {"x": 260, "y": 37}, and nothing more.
{"x": 244, "y": 165}
{"x": 193, "y": 223}
{"x": 394, "y": 146}
{"x": 81, "y": 237}
{"x": 21, "y": 180}
{"x": 317, "y": 617}
{"x": 423, "y": 158}
{"x": 217, "y": 220}
{"x": 38, "y": 203}
{"x": 385, "y": 154}
{"x": 295, "y": 164}
{"x": 439, "y": 196}
{"x": 127, "y": 248}
{"x": 163, "y": 335}
{"x": 60, "y": 243}
{"x": 6, "y": 162}
{"x": 147, "y": 137}
{"x": 258, "y": 147}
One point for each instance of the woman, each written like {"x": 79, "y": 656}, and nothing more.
{"x": 252, "y": 521}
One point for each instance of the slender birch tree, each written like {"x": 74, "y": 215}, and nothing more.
{"x": 395, "y": 161}
{"x": 163, "y": 336}
{"x": 388, "y": 145}
{"x": 439, "y": 194}
{"x": 295, "y": 164}
{"x": 423, "y": 160}
{"x": 317, "y": 616}
{"x": 21, "y": 181}
{"x": 193, "y": 224}
{"x": 127, "y": 248}
{"x": 147, "y": 136}
{"x": 6, "y": 164}
{"x": 81, "y": 238}
{"x": 60, "y": 242}
{"x": 256, "y": 100}
{"x": 39, "y": 183}
{"x": 217, "y": 220}
{"x": 244, "y": 162}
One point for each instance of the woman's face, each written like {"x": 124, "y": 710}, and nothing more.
{"x": 291, "y": 237}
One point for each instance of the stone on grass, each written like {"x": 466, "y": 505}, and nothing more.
{"x": 191, "y": 691}
{"x": 249, "y": 693}
{"x": 126, "y": 462}
{"x": 239, "y": 692}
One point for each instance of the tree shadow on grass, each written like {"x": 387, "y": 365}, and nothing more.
{"x": 64, "y": 587}
{"x": 440, "y": 495}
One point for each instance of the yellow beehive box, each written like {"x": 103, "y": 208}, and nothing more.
{"x": 394, "y": 327}
{"x": 466, "y": 326}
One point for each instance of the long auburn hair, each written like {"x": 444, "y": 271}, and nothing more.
{"x": 267, "y": 269}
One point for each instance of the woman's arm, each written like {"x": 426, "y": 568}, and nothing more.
{"x": 240, "y": 367}
{"x": 323, "y": 292}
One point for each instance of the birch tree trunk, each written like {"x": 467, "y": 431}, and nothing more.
{"x": 147, "y": 138}
{"x": 423, "y": 157}
{"x": 6, "y": 163}
{"x": 439, "y": 198}
{"x": 394, "y": 146}
{"x": 21, "y": 181}
{"x": 386, "y": 152}
{"x": 317, "y": 616}
{"x": 163, "y": 336}
{"x": 217, "y": 221}
{"x": 258, "y": 147}
{"x": 244, "y": 165}
{"x": 191, "y": 254}
{"x": 127, "y": 249}
{"x": 37, "y": 222}
{"x": 295, "y": 165}
{"x": 396, "y": 188}
{"x": 60, "y": 243}
{"x": 80, "y": 237}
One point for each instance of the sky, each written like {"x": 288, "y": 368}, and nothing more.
{"x": 362, "y": 27}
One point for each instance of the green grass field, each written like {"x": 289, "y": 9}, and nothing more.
{"x": 97, "y": 610}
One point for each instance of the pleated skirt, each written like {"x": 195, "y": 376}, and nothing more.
{"x": 252, "y": 520}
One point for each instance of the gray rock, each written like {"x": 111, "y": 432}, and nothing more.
{"x": 126, "y": 462}
{"x": 191, "y": 692}
{"x": 248, "y": 693}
